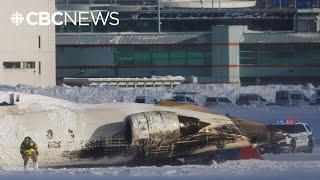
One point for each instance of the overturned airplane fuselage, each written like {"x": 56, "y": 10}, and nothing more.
{"x": 131, "y": 134}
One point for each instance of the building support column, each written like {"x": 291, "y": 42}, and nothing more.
{"x": 226, "y": 53}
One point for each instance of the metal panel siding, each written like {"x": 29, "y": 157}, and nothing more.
{"x": 302, "y": 71}
{"x": 281, "y": 54}
{"x": 281, "y": 37}
{"x": 186, "y": 37}
{"x": 84, "y": 73}
{"x": 132, "y": 38}
{"x": 220, "y": 34}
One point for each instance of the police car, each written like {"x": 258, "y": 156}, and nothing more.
{"x": 297, "y": 138}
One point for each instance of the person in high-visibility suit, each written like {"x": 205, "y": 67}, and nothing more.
{"x": 29, "y": 149}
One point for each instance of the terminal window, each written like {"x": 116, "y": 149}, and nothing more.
{"x": 28, "y": 65}
{"x": 19, "y": 65}
{"x": 162, "y": 56}
{"x": 12, "y": 65}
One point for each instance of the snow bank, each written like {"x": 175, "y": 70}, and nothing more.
{"x": 97, "y": 94}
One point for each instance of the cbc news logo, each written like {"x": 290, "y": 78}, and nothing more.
{"x": 17, "y": 18}
{"x": 80, "y": 18}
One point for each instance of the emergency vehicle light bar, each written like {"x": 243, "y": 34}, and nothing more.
{"x": 286, "y": 122}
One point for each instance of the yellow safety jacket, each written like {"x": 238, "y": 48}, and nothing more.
{"x": 28, "y": 148}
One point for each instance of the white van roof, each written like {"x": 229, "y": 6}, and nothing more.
{"x": 291, "y": 91}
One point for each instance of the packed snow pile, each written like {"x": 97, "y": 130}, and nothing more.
{"x": 61, "y": 113}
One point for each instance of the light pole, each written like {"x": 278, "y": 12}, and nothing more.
{"x": 159, "y": 21}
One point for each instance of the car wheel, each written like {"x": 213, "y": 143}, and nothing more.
{"x": 310, "y": 147}
{"x": 293, "y": 148}
{"x": 261, "y": 150}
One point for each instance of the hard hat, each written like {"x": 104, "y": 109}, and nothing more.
{"x": 27, "y": 138}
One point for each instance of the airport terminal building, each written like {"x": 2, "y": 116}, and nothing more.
{"x": 247, "y": 46}
{"x": 227, "y": 54}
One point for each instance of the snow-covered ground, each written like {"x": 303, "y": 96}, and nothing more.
{"x": 282, "y": 166}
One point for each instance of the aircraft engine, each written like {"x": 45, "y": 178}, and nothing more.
{"x": 151, "y": 128}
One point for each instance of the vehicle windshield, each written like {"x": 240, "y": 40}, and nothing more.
{"x": 226, "y": 100}
{"x": 179, "y": 98}
{"x": 262, "y": 99}
{"x": 308, "y": 128}
{"x": 183, "y": 99}
{"x": 140, "y": 100}
{"x": 211, "y": 99}
{"x": 296, "y": 96}
{"x": 291, "y": 129}
{"x": 252, "y": 97}
{"x": 189, "y": 99}
{"x": 282, "y": 96}
{"x": 243, "y": 98}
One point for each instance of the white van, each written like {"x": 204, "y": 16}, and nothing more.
{"x": 291, "y": 98}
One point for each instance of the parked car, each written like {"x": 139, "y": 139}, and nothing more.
{"x": 291, "y": 98}
{"x": 184, "y": 97}
{"x": 212, "y": 101}
{"x": 251, "y": 99}
{"x": 298, "y": 138}
{"x": 146, "y": 100}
